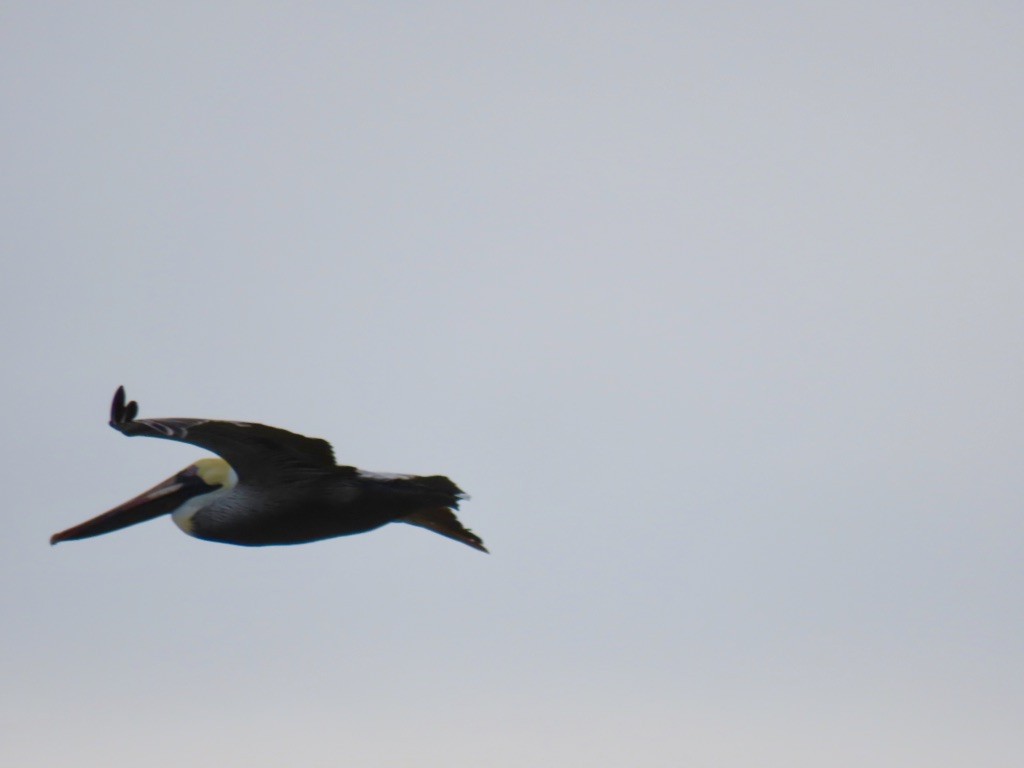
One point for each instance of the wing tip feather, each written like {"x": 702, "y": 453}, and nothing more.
{"x": 122, "y": 413}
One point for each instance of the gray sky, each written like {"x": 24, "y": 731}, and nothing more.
{"x": 714, "y": 308}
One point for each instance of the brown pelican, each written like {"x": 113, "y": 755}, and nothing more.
{"x": 271, "y": 486}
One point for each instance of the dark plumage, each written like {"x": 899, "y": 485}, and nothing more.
{"x": 272, "y": 486}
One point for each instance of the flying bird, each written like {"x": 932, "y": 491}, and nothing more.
{"x": 271, "y": 486}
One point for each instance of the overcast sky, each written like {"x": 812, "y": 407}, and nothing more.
{"x": 715, "y": 309}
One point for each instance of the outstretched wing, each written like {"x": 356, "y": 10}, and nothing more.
{"x": 256, "y": 452}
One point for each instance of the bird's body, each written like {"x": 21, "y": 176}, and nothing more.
{"x": 271, "y": 486}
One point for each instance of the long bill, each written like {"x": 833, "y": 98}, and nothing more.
{"x": 159, "y": 500}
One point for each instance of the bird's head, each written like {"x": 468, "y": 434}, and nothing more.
{"x": 181, "y": 495}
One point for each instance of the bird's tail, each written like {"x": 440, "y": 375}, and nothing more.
{"x": 440, "y": 485}
{"x": 443, "y": 521}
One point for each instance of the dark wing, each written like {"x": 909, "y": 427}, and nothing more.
{"x": 256, "y": 452}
